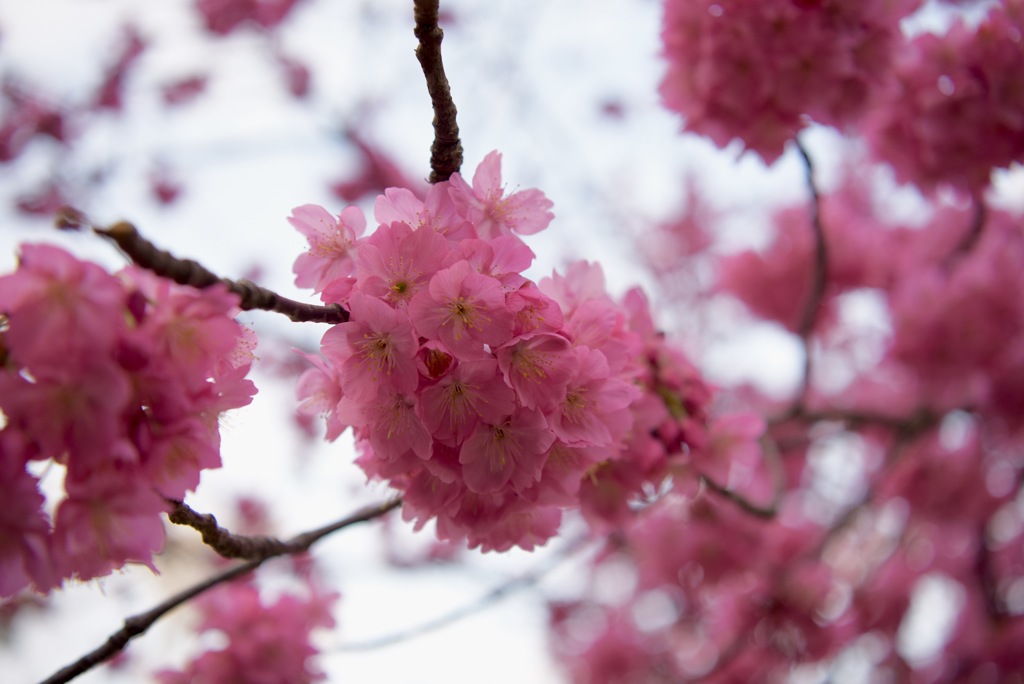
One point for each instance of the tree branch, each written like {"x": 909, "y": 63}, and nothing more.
{"x": 224, "y": 542}
{"x": 773, "y": 461}
{"x": 446, "y": 151}
{"x": 498, "y": 593}
{"x": 138, "y": 624}
{"x": 973, "y": 234}
{"x": 820, "y": 274}
{"x": 188, "y": 272}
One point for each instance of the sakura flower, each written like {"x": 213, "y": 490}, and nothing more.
{"x": 266, "y": 641}
{"x": 538, "y": 367}
{"x": 512, "y": 449}
{"x": 464, "y": 309}
{"x": 435, "y": 212}
{"x": 107, "y": 520}
{"x": 486, "y": 206}
{"x": 391, "y": 422}
{"x": 60, "y": 309}
{"x": 474, "y": 390}
{"x": 396, "y": 262}
{"x": 332, "y": 242}
{"x": 24, "y": 529}
{"x": 375, "y": 349}
{"x": 319, "y": 391}
{"x": 594, "y": 404}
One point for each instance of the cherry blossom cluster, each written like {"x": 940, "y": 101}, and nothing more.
{"x": 930, "y": 415}
{"x": 955, "y": 108}
{"x": 120, "y": 379}
{"x": 489, "y": 400}
{"x": 754, "y": 69}
{"x": 941, "y": 109}
{"x": 697, "y": 592}
{"x": 266, "y": 641}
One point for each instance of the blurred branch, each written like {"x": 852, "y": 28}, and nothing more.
{"x": 973, "y": 234}
{"x": 522, "y": 582}
{"x": 138, "y": 624}
{"x": 446, "y": 151}
{"x": 820, "y": 275}
{"x": 912, "y": 424}
{"x": 188, "y": 272}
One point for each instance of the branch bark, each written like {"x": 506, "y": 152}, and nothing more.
{"x": 138, "y": 624}
{"x": 224, "y": 542}
{"x": 188, "y": 272}
{"x": 446, "y": 151}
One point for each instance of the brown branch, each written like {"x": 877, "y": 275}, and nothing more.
{"x": 188, "y": 272}
{"x": 820, "y": 275}
{"x": 446, "y": 151}
{"x": 773, "y": 460}
{"x": 224, "y": 542}
{"x": 138, "y": 624}
{"x": 854, "y": 418}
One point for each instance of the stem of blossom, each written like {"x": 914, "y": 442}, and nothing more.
{"x": 820, "y": 274}
{"x": 138, "y": 624}
{"x": 188, "y": 272}
{"x": 522, "y": 582}
{"x": 446, "y": 151}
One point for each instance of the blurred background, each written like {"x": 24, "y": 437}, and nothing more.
{"x": 205, "y": 123}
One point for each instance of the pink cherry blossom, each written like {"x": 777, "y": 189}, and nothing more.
{"x": 512, "y": 449}
{"x": 375, "y": 349}
{"x": 60, "y": 309}
{"x": 108, "y": 519}
{"x": 24, "y": 528}
{"x": 332, "y": 242}
{"x": 538, "y": 367}
{"x": 463, "y": 309}
{"x": 953, "y": 112}
{"x": 492, "y": 213}
{"x": 436, "y": 211}
{"x": 751, "y": 70}
{"x": 396, "y": 262}
{"x": 473, "y": 391}
{"x": 267, "y": 641}
{"x": 592, "y": 413}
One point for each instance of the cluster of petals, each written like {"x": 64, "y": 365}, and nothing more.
{"x": 120, "y": 379}
{"x": 754, "y": 69}
{"x": 486, "y": 398}
{"x": 266, "y": 641}
{"x": 954, "y": 111}
{"x": 711, "y": 583}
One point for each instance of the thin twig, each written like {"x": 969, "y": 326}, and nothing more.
{"x": 188, "y": 272}
{"x": 522, "y": 582}
{"x": 820, "y": 274}
{"x": 855, "y": 418}
{"x": 773, "y": 461}
{"x": 974, "y": 231}
{"x": 138, "y": 624}
{"x": 446, "y": 151}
